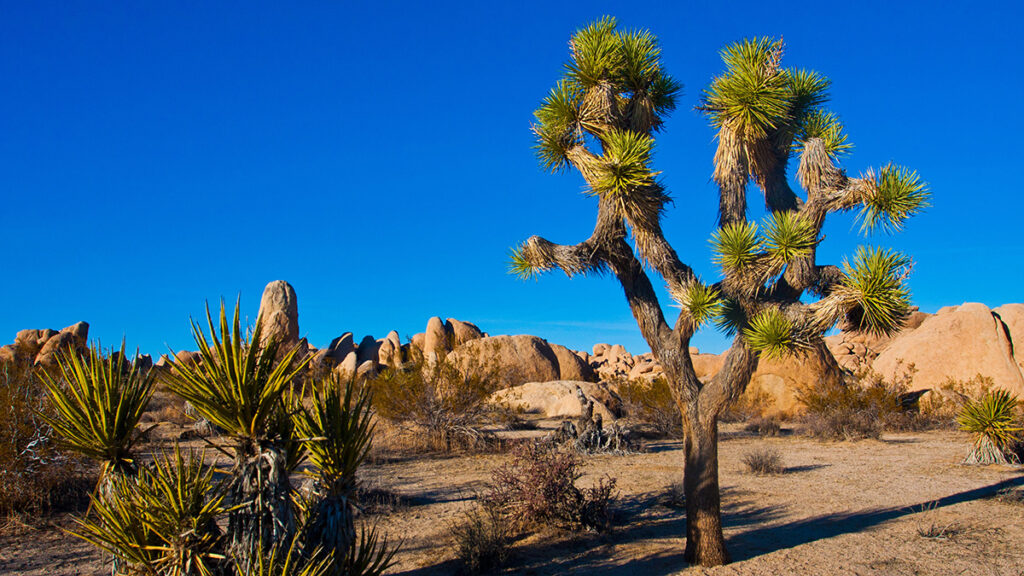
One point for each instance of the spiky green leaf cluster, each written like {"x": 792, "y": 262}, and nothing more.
{"x": 283, "y": 559}
{"x": 771, "y": 333}
{"x": 731, "y": 317}
{"x": 895, "y": 194}
{"x": 874, "y": 288}
{"x": 238, "y": 384}
{"x": 826, "y": 127}
{"x": 753, "y": 97}
{"x": 624, "y": 165}
{"x": 98, "y": 402}
{"x": 613, "y": 78}
{"x": 337, "y": 431}
{"x": 520, "y": 265}
{"x": 700, "y": 301}
{"x": 991, "y": 418}
{"x": 164, "y": 520}
{"x": 788, "y": 236}
{"x": 736, "y": 246}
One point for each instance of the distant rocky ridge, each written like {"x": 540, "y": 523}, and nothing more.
{"x": 958, "y": 342}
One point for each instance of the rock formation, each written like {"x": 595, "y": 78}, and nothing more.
{"x": 279, "y": 312}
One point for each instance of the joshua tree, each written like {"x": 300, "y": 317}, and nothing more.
{"x": 600, "y": 120}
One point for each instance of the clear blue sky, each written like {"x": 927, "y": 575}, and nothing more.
{"x": 155, "y": 155}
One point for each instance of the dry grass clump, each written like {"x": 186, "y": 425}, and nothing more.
{"x": 764, "y": 427}
{"x": 35, "y": 474}
{"x": 763, "y": 461}
{"x": 446, "y": 404}
{"x": 482, "y": 540}
{"x": 675, "y": 496}
{"x": 652, "y": 403}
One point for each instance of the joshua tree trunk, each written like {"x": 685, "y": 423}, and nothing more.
{"x": 705, "y": 543}
{"x": 261, "y": 493}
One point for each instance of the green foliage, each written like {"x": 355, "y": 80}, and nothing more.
{"x": 624, "y": 167}
{"x": 97, "y": 403}
{"x": 596, "y": 53}
{"x": 771, "y": 334}
{"x": 737, "y": 247}
{"x": 337, "y": 430}
{"x": 788, "y": 236}
{"x": 809, "y": 90}
{"x": 991, "y": 419}
{"x": 826, "y": 127}
{"x": 731, "y": 316}
{"x": 286, "y": 560}
{"x": 895, "y": 194}
{"x": 701, "y": 302}
{"x": 163, "y": 521}
{"x": 875, "y": 284}
{"x": 238, "y": 385}
{"x": 558, "y": 127}
{"x": 753, "y": 97}
{"x": 520, "y": 265}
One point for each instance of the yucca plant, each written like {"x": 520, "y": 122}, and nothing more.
{"x": 991, "y": 420}
{"x": 337, "y": 430}
{"x": 284, "y": 559}
{"x": 97, "y": 403}
{"x": 239, "y": 387}
{"x": 164, "y": 521}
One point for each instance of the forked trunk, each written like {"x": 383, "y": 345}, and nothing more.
{"x": 705, "y": 544}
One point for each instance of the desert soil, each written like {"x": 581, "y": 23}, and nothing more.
{"x": 902, "y": 505}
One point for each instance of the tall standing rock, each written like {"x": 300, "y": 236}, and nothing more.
{"x": 436, "y": 340}
{"x": 279, "y": 311}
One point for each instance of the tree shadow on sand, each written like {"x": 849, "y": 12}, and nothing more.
{"x": 766, "y": 539}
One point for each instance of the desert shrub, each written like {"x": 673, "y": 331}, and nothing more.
{"x": 763, "y": 461}
{"x": 446, "y": 402}
{"x": 943, "y": 405}
{"x": 991, "y": 420}
{"x": 863, "y": 407}
{"x": 675, "y": 496}
{"x": 750, "y": 404}
{"x": 762, "y": 426}
{"x": 35, "y": 474}
{"x": 538, "y": 489}
{"x": 652, "y": 403}
{"x": 481, "y": 539}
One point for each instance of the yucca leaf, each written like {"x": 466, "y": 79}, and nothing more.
{"x": 239, "y": 383}
{"x": 98, "y": 402}
{"x": 639, "y": 56}
{"x": 788, "y": 236}
{"x": 338, "y": 431}
{"x": 624, "y": 165}
{"x": 520, "y": 265}
{"x": 826, "y": 127}
{"x": 894, "y": 195}
{"x": 596, "y": 53}
{"x": 771, "y": 334}
{"x": 752, "y": 98}
{"x": 873, "y": 288}
{"x": 991, "y": 418}
{"x": 731, "y": 317}
{"x": 736, "y": 247}
{"x": 699, "y": 301}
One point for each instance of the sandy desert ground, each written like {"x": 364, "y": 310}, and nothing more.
{"x": 902, "y": 505}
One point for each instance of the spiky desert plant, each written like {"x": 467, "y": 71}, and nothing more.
{"x": 239, "y": 387}
{"x": 991, "y": 420}
{"x": 284, "y": 559}
{"x": 164, "y": 521}
{"x": 774, "y": 297}
{"x": 337, "y": 430}
{"x": 97, "y": 404}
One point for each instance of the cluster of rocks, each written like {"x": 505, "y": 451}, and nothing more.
{"x": 958, "y": 342}
{"x": 40, "y": 347}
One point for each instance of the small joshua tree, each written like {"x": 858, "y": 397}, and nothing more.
{"x": 600, "y": 119}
